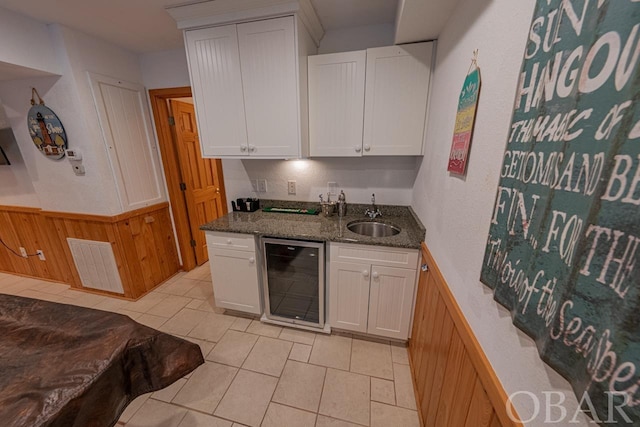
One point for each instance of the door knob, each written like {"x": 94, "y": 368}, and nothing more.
{"x": 218, "y": 190}
{"x": 358, "y": 149}
{"x": 375, "y": 275}
{"x": 367, "y": 148}
{"x": 365, "y": 273}
{"x": 252, "y": 260}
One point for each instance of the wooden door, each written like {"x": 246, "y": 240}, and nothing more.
{"x": 201, "y": 178}
{"x": 336, "y": 104}
{"x": 349, "y": 295}
{"x": 390, "y": 300}
{"x": 270, "y": 84}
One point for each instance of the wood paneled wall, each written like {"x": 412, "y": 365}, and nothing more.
{"x": 142, "y": 241}
{"x": 454, "y": 382}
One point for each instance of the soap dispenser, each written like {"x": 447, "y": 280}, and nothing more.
{"x": 342, "y": 204}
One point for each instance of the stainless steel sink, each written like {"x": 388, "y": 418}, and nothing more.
{"x": 373, "y": 229}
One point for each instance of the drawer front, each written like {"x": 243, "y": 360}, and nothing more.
{"x": 379, "y": 255}
{"x": 241, "y": 242}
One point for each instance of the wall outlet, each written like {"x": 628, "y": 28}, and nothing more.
{"x": 262, "y": 186}
{"x": 291, "y": 187}
{"x": 78, "y": 169}
{"x": 332, "y": 188}
{"x": 41, "y": 255}
{"x": 23, "y": 252}
{"x": 254, "y": 184}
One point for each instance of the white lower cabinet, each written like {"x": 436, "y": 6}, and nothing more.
{"x": 371, "y": 296}
{"x": 234, "y": 274}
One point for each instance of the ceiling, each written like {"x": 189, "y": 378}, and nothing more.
{"x": 144, "y": 26}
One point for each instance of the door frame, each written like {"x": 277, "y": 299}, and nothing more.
{"x": 171, "y": 167}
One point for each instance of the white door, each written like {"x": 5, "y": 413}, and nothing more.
{"x": 270, "y": 83}
{"x": 349, "y": 296}
{"x": 235, "y": 280}
{"x": 391, "y": 301}
{"x": 336, "y": 104}
{"x": 397, "y": 87}
{"x": 214, "y": 66}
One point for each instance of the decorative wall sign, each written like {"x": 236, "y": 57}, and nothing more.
{"x": 45, "y": 129}
{"x": 563, "y": 246}
{"x": 465, "y": 119}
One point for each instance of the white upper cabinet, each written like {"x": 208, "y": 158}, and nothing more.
{"x": 248, "y": 80}
{"x": 396, "y": 99}
{"x": 214, "y": 65}
{"x": 336, "y": 103}
{"x": 388, "y": 86}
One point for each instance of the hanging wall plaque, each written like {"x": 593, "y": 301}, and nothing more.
{"x": 45, "y": 129}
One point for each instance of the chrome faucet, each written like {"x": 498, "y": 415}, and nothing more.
{"x": 374, "y": 211}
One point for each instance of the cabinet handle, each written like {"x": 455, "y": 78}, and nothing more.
{"x": 375, "y": 275}
{"x": 252, "y": 148}
{"x": 365, "y": 273}
{"x": 252, "y": 260}
{"x": 367, "y": 148}
{"x": 358, "y": 149}
{"x": 229, "y": 241}
{"x": 243, "y": 148}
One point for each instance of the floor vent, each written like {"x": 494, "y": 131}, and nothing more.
{"x": 96, "y": 265}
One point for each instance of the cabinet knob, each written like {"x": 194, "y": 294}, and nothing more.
{"x": 365, "y": 273}
{"x": 252, "y": 148}
{"x": 252, "y": 260}
{"x": 367, "y": 148}
{"x": 358, "y": 149}
{"x": 229, "y": 241}
{"x": 243, "y": 148}
{"x": 375, "y": 275}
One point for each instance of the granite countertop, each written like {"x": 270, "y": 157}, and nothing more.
{"x": 321, "y": 228}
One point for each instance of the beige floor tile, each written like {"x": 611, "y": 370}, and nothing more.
{"x": 204, "y": 390}
{"x": 145, "y": 303}
{"x": 383, "y": 391}
{"x": 196, "y": 419}
{"x": 332, "y": 351}
{"x": 259, "y": 328}
{"x": 168, "y": 393}
{"x": 183, "y": 322}
{"x": 200, "y": 290}
{"x": 300, "y": 386}
{"x": 194, "y": 304}
{"x": 346, "y": 396}
{"x": 284, "y": 416}
{"x": 199, "y": 273}
{"x": 371, "y": 358}
{"x": 111, "y": 304}
{"x": 208, "y": 305}
{"x": 400, "y": 355}
{"x": 405, "y": 396}
{"x": 154, "y": 413}
{"x": 323, "y": 421}
{"x": 176, "y": 287}
{"x": 247, "y": 399}
{"x": 133, "y": 407}
{"x": 212, "y": 327}
{"x": 132, "y": 314}
{"x": 205, "y": 346}
{"x": 268, "y": 356}
{"x": 233, "y": 348}
{"x": 385, "y": 415}
{"x": 296, "y": 335}
{"x": 241, "y": 324}
{"x": 300, "y": 352}
{"x": 151, "y": 321}
{"x": 169, "y": 306}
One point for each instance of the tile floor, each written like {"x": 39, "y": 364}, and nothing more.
{"x": 255, "y": 374}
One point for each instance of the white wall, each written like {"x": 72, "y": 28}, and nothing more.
{"x": 165, "y": 69}
{"x": 69, "y": 96}
{"x": 456, "y": 212}
{"x": 357, "y": 38}
{"x": 15, "y": 183}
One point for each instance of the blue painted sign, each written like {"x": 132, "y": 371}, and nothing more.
{"x": 563, "y": 246}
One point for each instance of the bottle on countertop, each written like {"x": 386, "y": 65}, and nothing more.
{"x": 342, "y": 204}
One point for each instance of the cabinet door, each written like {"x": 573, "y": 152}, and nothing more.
{"x": 391, "y": 301}
{"x": 214, "y": 67}
{"x": 336, "y": 104}
{"x": 349, "y": 296}
{"x": 235, "y": 280}
{"x": 270, "y": 83}
{"x": 397, "y": 86}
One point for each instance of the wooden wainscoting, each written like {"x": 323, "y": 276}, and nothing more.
{"x": 454, "y": 381}
{"x": 142, "y": 240}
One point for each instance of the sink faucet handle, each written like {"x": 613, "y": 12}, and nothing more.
{"x": 373, "y": 198}
{"x": 321, "y": 198}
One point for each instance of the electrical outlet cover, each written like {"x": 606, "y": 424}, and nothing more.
{"x": 333, "y": 188}
{"x": 291, "y": 186}
{"x": 262, "y": 186}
